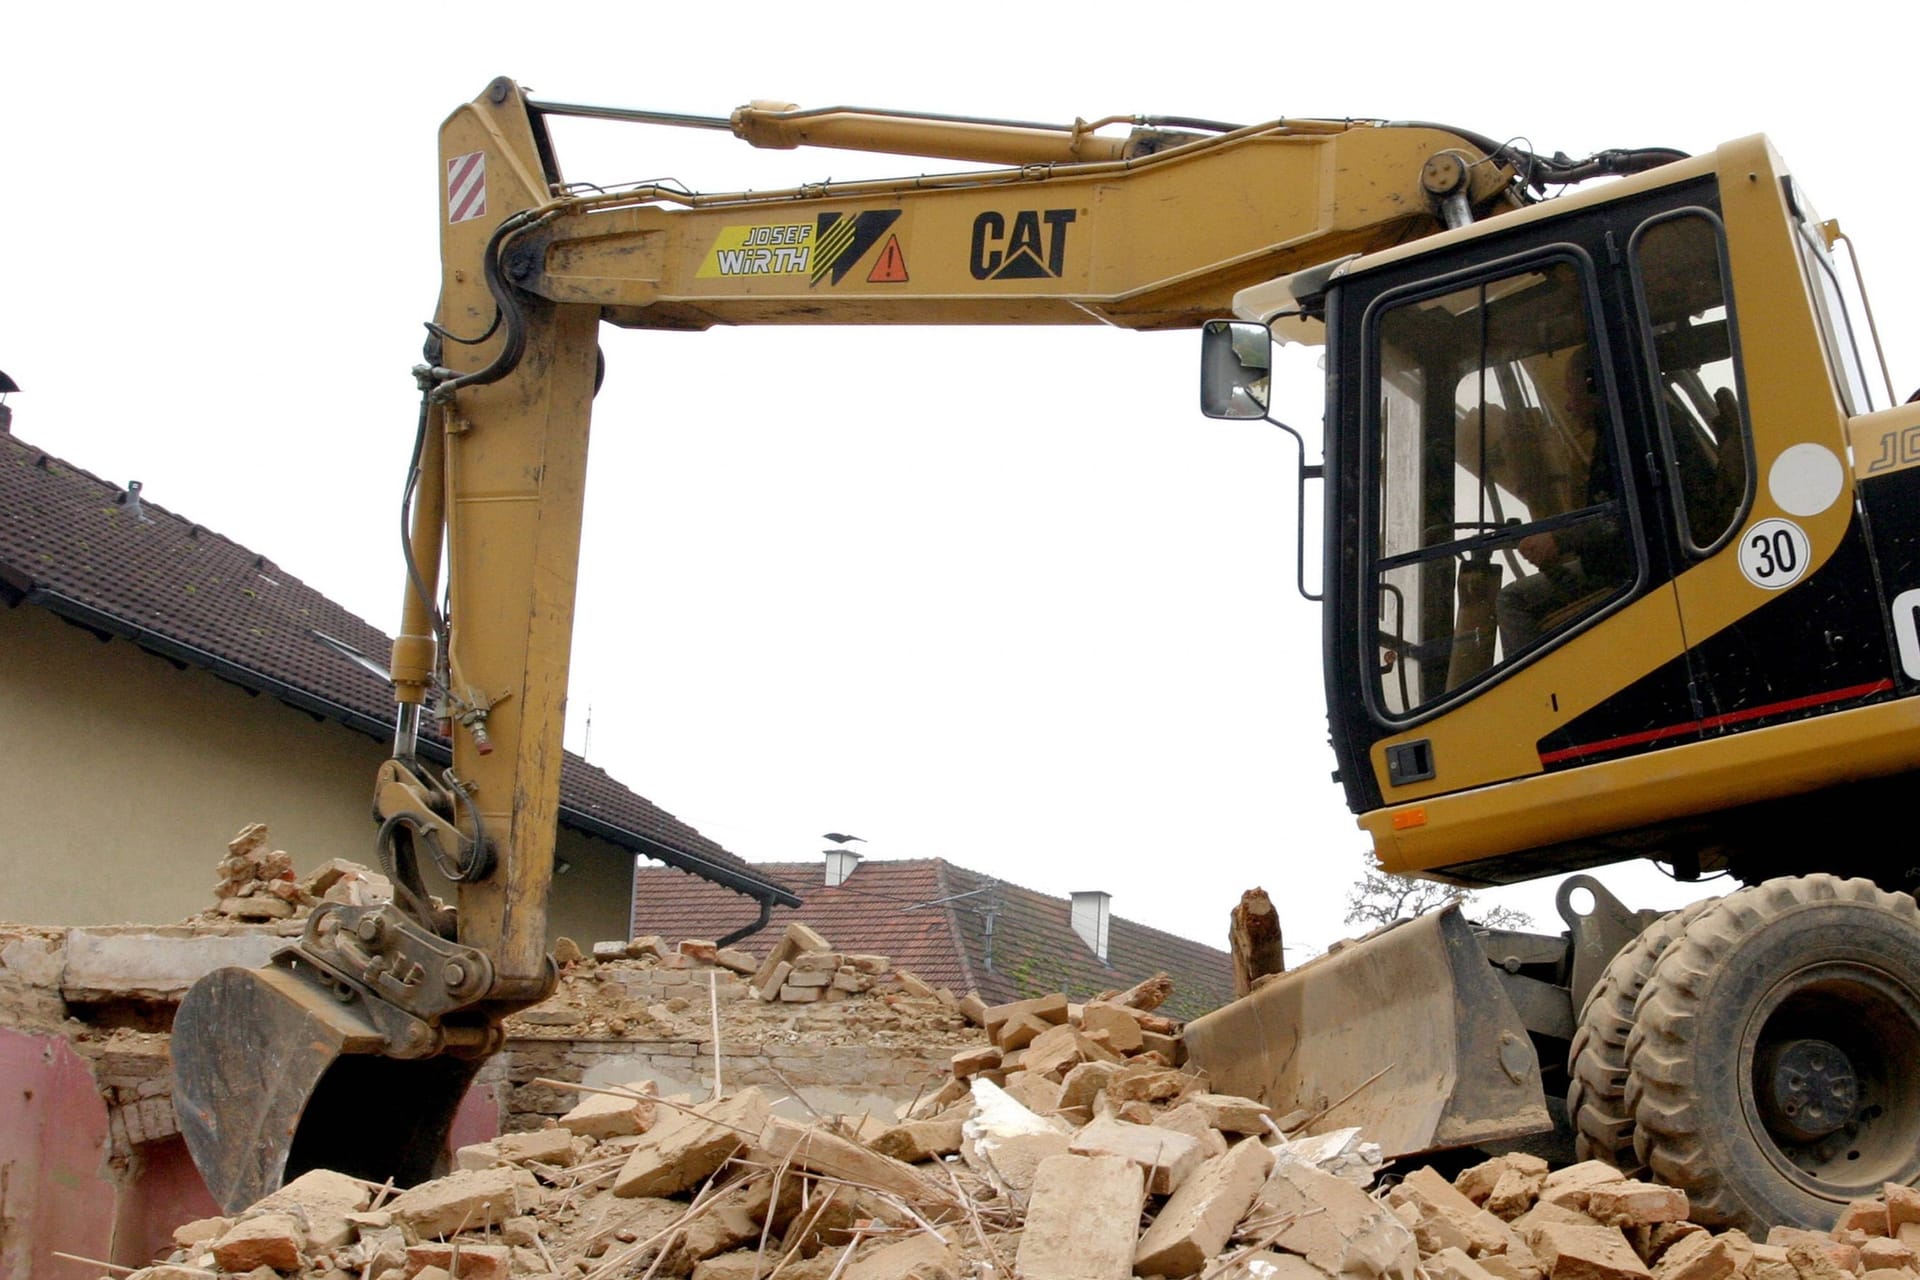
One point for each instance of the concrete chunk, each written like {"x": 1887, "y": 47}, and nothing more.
{"x": 1014, "y": 1161}
{"x": 818, "y": 1151}
{"x": 200, "y": 1231}
{"x": 321, "y": 1199}
{"x": 685, "y": 1148}
{"x": 1197, "y": 1221}
{"x": 918, "y": 1140}
{"x": 1191, "y": 1121}
{"x": 1268, "y": 1265}
{"x": 1231, "y": 1114}
{"x": 131, "y": 965}
{"x": 465, "y": 1201}
{"x": 1333, "y": 1224}
{"x": 918, "y": 1257}
{"x": 1167, "y": 1156}
{"x": 540, "y": 1146}
{"x": 609, "y": 1115}
{"x": 1082, "y": 1219}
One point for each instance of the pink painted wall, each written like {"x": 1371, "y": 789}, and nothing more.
{"x": 54, "y": 1194}
{"x": 57, "y": 1192}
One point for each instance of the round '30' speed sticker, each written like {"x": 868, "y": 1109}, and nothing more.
{"x": 1774, "y": 554}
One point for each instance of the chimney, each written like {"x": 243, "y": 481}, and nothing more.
{"x": 841, "y": 864}
{"x": 1091, "y": 911}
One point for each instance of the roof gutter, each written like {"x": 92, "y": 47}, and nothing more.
{"x": 86, "y": 615}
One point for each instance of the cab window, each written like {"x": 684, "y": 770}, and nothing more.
{"x": 1497, "y": 523}
{"x": 1687, "y": 327}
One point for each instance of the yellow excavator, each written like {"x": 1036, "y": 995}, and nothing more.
{"x": 1621, "y": 561}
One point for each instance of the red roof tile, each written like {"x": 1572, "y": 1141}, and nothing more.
{"x": 94, "y": 554}
{"x": 931, "y": 917}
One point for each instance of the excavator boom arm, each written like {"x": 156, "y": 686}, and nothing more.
{"x": 1156, "y": 230}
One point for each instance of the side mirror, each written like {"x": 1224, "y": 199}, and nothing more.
{"x": 1236, "y": 362}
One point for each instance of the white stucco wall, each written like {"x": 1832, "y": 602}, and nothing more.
{"x": 122, "y": 777}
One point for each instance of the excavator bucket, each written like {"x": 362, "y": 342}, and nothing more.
{"x": 1405, "y": 1033}
{"x": 275, "y": 1076}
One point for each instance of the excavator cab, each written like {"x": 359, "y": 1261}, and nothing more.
{"x": 1610, "y": 577}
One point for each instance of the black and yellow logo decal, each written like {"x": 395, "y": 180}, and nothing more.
{"x": 844, "y": 241}
{"x": 1034, "y": 247}
{"x": 824, "y": 249}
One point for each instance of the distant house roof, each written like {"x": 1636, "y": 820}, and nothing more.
{"x": 101, "y": 557}
{"x": 932, "y": 917}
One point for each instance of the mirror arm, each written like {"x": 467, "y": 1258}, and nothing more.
{"x": 1303, "y": 472}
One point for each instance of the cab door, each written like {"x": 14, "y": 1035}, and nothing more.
{"x": 1774, "y": 578}
{"x": 1512, "y": 593}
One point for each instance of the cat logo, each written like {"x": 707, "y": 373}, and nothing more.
{"x": 1025, "y": 252}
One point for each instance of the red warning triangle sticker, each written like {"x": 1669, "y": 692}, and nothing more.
{"x": 892, "y": 266}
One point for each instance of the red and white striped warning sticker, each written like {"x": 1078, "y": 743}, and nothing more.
{"x": 467, "y": 186}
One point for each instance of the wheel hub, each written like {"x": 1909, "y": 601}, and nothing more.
{"x": 1808, "y": 1090}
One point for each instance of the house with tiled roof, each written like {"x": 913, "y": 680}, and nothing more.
{"x": 162, "y": 686}
{"x": 953, "y": 928}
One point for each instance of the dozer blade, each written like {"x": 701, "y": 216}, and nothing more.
{"x": 274, "y": 1076}
{"x": 1405, "y": 1033}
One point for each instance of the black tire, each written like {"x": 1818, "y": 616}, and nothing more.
{"x": 1774, "y": 1064}
{"x": 1597, "y": 1059}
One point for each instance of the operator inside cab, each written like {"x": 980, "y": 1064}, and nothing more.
{"x": 1499, "y": 519}
{"x": 1569, "y": 565}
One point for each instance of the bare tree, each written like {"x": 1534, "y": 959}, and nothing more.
{"x": 1380, "y": 897}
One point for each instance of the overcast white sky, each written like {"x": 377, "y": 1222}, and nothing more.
{"x": 1000, "y": 596}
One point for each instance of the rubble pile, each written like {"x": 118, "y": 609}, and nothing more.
{"x": 633, "y": 1185}
{"x": 260, "y": 884}
{"x": 643, "y": 990}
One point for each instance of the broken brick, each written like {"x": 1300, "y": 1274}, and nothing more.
{"x": 1622, "y": 1204}
{"x": 1697, "y": 1257}
{"x": 1050, "y": 1009}
{"x": 267, "y": 1240}
{"x": 1585, "y": 1253}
